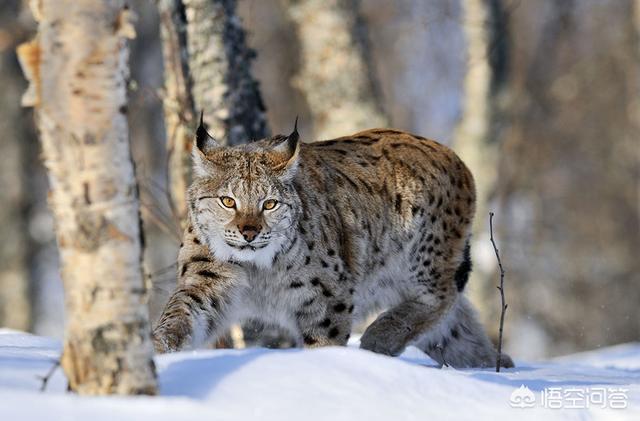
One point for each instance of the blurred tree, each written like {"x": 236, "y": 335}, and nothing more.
{"x": 77, "y": 68}
{"x": 178, "y": 103}
{"x": 335, "y": 73}
{"x": 15, "y": 290}
{"x": 220, "y": 68}
{"x": 268, "y": 30}
{"x": 207, "y": 66}
{"x": 567, "y": 195}
{"x": 476, "y": 138}
{"x": 636, "y": 15}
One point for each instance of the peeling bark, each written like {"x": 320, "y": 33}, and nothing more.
{"x": 206, "y": 67}
{"x": 78, "y": 71}
{"x": 178, "y": 103}
{"x": 220, "y": 63}
{"x": 334, "y": 76}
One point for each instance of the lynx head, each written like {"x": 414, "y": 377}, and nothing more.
{"x": 242, "y": 201}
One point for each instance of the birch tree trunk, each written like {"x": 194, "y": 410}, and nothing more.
{"x": 78, "y": 71}
{"x": 178, "y": 103}
{"x": 220, "y": 67}
{"x": 207, "y": 68}
{"x": 475, "y": 139}
{"x": 335, "y": 73}
{"x": 15, "y": 291}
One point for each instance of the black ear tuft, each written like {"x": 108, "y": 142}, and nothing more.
{"x": 204, "y": 141}
{"x": 292, "y": 139}
{"x": 288, "y": 148}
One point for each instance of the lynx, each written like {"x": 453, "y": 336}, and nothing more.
{"x": 316, "y": 236}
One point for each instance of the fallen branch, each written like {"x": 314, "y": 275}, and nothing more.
{"x": 45, "y": 379}
{"x": 501, "y": 289}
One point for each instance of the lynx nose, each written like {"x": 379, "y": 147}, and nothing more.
{"x": 249, "y": 232}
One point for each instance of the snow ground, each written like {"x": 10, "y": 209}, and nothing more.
{"x": 327, "y": 383}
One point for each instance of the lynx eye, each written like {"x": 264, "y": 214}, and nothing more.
{"x": 228, "y": 202}
{"x": 269, "y": 204}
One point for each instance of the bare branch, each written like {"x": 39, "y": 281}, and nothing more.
{"x": 501, "y": 289}
{"x": 45, "y": 379}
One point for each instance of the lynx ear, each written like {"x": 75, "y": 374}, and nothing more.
{"x": 290, "y": 145}
{"x": 205, "y": 144}
{"x": 204, "y": 141}
{"x": 289, "y": 149}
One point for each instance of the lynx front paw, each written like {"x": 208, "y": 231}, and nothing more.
{"x": 159, "y": 345}
{"x": 382, "y": 339}
{"x": 164, "y": 343}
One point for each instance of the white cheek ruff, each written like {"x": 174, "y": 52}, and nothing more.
{"x": 261, "y": 257}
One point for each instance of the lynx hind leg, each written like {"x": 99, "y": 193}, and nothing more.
{"x": 394, "y": 329}
{"x": 433, "y": 282}
{"x": 460, "y": 341}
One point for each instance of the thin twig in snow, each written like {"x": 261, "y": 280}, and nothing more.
{"x": 501, "y": 289}
{"x": 46, "y": 377}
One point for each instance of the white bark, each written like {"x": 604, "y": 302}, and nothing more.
{"x": 78, "y": 71}
{"x": 179, "y": 112}
{"x": 473, "y": 138}
{"x": 220, "y": 67}
{"x": 207, "y": 68}
{"x": 334, "y": 75}
{"x": 472, "y": 135}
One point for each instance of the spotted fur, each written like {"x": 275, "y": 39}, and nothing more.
{"x": 378, "y": 220}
